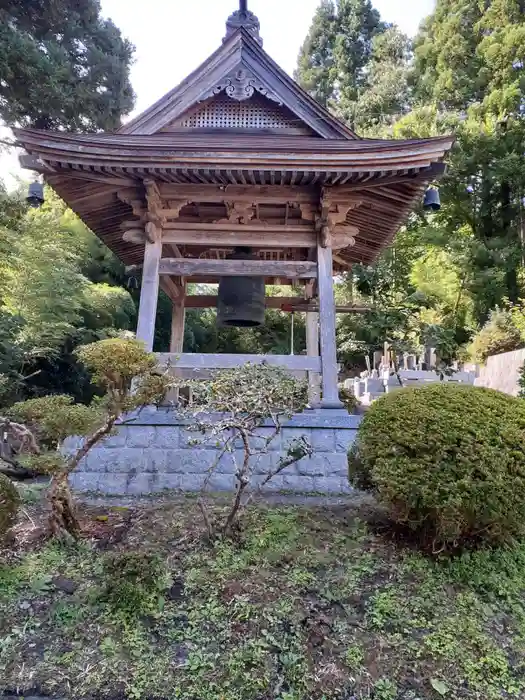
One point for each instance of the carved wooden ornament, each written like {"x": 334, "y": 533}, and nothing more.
{"x": 240, "y": 86}
{"x": 330, "y": 221}
{"x": 238, "y": 213}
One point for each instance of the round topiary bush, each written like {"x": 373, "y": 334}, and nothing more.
{"x": 9, "y": 502}
{"x": 447, "y": 460}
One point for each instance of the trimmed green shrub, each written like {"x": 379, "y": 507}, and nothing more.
{"x": 447, "y": 460}
{"x": 499, "y": 334}
{"x": 134, "y": 583}
{"x": 521, "y": 382}
{"x": 9, "y": 503}
{"x": 349, "y": 400}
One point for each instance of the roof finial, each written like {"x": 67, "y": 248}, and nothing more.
{"x": 243, "y": 18}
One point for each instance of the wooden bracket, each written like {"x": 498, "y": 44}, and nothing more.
{"x": 129, "y": 196}
{"x": 238, "y": 213}
{"x": 134, "y": 235}
{"x": 152, "y": 217}
{"x": 331, "y": 224}
{"x": 175, "y": 207}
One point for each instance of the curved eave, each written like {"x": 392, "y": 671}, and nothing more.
{"x": 88, "y": 170}
{"x": 212, "y": 151}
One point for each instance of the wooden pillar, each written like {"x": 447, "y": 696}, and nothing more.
{"x": 177, "y": 326}
{"x": 330, "y": 398}
{"x": 149, "y": 293}
{"x": 178, "y": 317}
{"x": 312, "y": 349}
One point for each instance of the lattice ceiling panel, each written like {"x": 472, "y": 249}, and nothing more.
{"x": 253, "y": 114}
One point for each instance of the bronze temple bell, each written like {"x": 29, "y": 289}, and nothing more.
{"x": 241, "y": 300}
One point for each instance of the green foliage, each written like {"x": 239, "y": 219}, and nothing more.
{"x": 283, "y": 613}
{"x": 107, "y": 307}
{"x": 384, "y": 96}
{"x": 496, "y": 573}
{"x": 229, "y": 409}
{"x": 333, "y": 59}
{"x": 134, "y": 583}
{"x": 257, "y": 391}
{"x": 447, "y": 460}
{"x": 349, "y": 400}
{"x": 48, "y": 304}
{"x": 53, "y": 418}
{"x": 62, "y": 66}
{"x": 115, "y": 364}
{"x": 498, "y": 335}
{"x": 47, "y": 462}
{"x": 9, "y": 503}
{"x": 130, "y": 380}
{"x": 385, "y": 689}
{"x": 521, "y": 382}
{"x": 316, "y": 58}
{"x": 468, "y": 63}
{"x": 466, "y": 78}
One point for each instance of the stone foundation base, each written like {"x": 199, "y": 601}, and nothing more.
{"x": 156, "y": 452}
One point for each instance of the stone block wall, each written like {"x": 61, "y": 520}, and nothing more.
{"x": 156, "y": 452}
{"x": 501, "y": 372}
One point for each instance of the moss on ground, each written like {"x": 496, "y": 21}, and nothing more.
{"x": 310, "y": 604}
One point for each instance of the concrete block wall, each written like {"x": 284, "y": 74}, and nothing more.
{"x": 156, "y": 452}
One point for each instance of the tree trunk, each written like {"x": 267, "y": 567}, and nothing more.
{"x": 507, "y": 216}
{"x": 62, "y": 518}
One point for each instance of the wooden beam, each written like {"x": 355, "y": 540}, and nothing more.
{"x": 149, "y": 293}
{"x": 186, "y": 267}
{"x": 296, "y": 363}
{"x": 330, "y": 398}
{"x": 341, "y": 261}
{"x": 268, "y": 280}
{"x": 209, "y": 301}
{"x": 235, "y": 236}
{"x": 171, "y": 288}
{"x": 262, "y": 194}
{"x": 256, "y": 227}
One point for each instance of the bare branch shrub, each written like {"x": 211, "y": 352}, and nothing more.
{"x": 231, "y": 409}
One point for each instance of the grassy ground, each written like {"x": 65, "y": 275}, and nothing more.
{"x": 311, "y": 603}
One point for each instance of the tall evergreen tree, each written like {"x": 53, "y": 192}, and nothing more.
{"x": 469, "y": 61}
{"x": 62, "y": 66}
{"x": 447, "y": 67}
{"x": 385, "y": 95}
{"x": 357, "y": 25}
{"x": 336, "y": 51}
{"x": 316, "y": 57}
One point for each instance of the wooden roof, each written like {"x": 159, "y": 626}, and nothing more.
{"x": 240, "y": 52}
{"x": 238, "y": 128}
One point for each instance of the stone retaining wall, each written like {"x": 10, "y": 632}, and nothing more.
{"x": 502, "y": 371}
{"x": 156, "y": 452}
